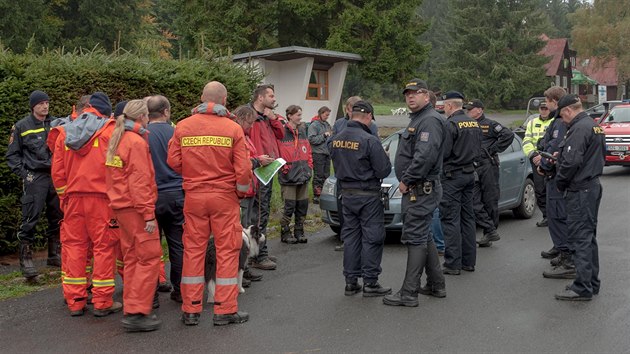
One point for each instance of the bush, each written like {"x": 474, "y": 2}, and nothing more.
{"x": 68, "y": 76}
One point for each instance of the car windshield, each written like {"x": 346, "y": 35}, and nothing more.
{"x": 619, "y": 115}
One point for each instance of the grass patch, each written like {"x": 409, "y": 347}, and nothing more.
{"x": 385, "y": 109}
{"x": 13, "y": 285}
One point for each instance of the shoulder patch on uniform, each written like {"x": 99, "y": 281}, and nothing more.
{"x": 598, "y": 130}
{"x": 424, "y": 136}
{"x": 498, "y": 128}
{"x": 115, "y": 162}
{"x": 411, "y": 129}
{"x": 555, "y": 134}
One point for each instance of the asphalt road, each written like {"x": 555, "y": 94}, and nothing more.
{"x": 504, "y": 306}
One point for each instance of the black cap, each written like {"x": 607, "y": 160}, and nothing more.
{"x": 415, "y": 85}
{"x": 101, "y": 103}
{"x": 37, "y": 97}
{"x": 451, "y": 95}
{"x": 473, "y": 104}
{"x": 120, "y": 107}
{"x": 363, "y": 106}
{"x": 567, "y": 100}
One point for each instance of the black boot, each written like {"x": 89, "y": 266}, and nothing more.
{"x": 301, "y": 209}
{"x": 566, "y": 269}
{"x": 26, "y": 261}
{"x": 408, "y": 294}
{"x": 156, "y": 298}
{"x": 141, "y": 323}
{"x": 436, "y": 284}
{"x": 286, "y": 236}
{"x": 54, "y": 253}
{"x": 375, "y": 289}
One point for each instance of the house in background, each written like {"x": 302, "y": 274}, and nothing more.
{"x": 561, "y": 61}
{"x": 308, "y": 77}
{"x": 604, "y": 73}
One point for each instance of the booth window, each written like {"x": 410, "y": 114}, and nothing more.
{"x": 318, "y": 85}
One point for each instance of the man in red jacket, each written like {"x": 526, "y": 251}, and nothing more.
{"x": 208, "y": 150}
{"x": 265, "y": 133}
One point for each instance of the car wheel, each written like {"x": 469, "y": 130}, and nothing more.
{"x": 336, "y": 229}
{"x": 525, "y": 210}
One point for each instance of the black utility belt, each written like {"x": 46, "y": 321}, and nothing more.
{"x": 361, "y": 192}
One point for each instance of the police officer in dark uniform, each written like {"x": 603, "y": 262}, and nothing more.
{"x": 418, "y": 164}
{"x": 29, "y": 158}
{"x": 562, "y": 265}
{"x": 496, "y": 138}
{"x": 580, "y": 163}
{"x": 462, "y": 147}
{"x": 360, "y": 165}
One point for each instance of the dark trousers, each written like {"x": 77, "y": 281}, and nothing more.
{"x": 557, "y": 217}
{"x": 339, "y": 204}
{"x": 418, "y": 216}
{"x": 582, "y": 210}
{"x": 486, "y": 196}
{"x": 247, "y": 211}
{"x": 169, "y": 214}
{"x": 540, "y": 188}
{"x": 321, "y": 171}
{"x": 458, "y": 220}
{"x": 260, "y": 215}
{"x": 363, "y": 235}
{"x": 39, "y": 193}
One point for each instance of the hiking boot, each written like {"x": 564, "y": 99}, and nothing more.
{"x": 265, "y": 264}
{"x": 237, "y": 317}
{"x": 54, "y": 253}
{"x": 141, "y": 323}
{"x": 570, "y": 295}
{"x": 561, "y": 272}
{"x": 116, "y": 307}
{"x": 190, "y": 319}
{"x": 272, "y": 258}
{"x": 165, "y": 287}
{"x": 352, "y": 288}
{"x": 26, "y": 261}
{"x": 156, "y": 300}
{"x": 339, "y": 248}
{"x": 375, "y": 289}
{"x": 487, "y": 238}
{"x": 176, "y": 296}
{"x": 77, "y": 313}
{"x": 468, "y": 268}
{"x": 286, "y": 236}
{"x": 246, "y": 283}
{"x": 552, "y": 253}
{"x": 399, "y": 299}
{"x": 252, "y": 276}
{"x": 556, "y": 261}
{"x": 542, "y": 223}
{"x": 450, "y": 271}
{"x": 435, "y": 290}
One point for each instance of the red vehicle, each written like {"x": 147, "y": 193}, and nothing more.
{"x": 616, "y": 124}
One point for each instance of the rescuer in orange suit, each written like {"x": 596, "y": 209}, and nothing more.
{"x": 208, "y": 149}
{"x": 132, "y": 193}
{"x": 78, "y": 173}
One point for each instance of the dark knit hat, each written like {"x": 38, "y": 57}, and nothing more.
{"x": 37, "y": 97}
{"x": 120, "y": 107}
{"x": 452, "y": 95}
{"x": 101, "y": 103}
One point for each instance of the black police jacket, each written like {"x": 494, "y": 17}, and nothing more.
{"x": 27, "y": 149}
{"x": 359, "y": 158}
{"x": 462, "y": 143}
{"x": 551, "y": 140}
{"x": 582, "y": 154}
{"x": 419, "y": 155}
{"x": 496, "y": 138}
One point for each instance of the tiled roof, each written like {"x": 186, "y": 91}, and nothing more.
{"x": 554, "y": 49}
{"x": 605, "y": 74}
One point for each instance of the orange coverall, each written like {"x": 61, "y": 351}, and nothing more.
{"x": 132, "y": 193}
{"x": 209, "y": 152}
{"x": 79, "y": 178}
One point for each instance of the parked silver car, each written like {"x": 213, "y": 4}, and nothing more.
{"x": 517, "y": 187}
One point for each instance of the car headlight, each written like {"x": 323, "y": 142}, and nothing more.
{"x": 329, "y": 188}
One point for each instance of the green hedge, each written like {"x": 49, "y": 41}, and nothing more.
{"x": 68, "y": 76}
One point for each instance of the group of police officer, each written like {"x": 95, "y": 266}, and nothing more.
{"x": 452, "y": 164}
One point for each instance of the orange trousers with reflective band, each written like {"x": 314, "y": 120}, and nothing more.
{"x": 85, "y": 223}
{"x": 205, "y": 214}
{"x": 141, "y": 257}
